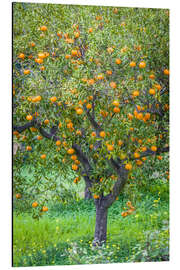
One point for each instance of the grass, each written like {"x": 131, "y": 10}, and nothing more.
{"x": 67, "y": 227}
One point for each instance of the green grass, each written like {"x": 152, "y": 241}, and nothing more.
{"x": 67, "y": 225}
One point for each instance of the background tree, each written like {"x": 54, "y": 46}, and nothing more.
{"x": 91, "y": 95}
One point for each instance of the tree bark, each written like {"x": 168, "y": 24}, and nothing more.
{"x": 101, "y": 225}
{"x": 87, "y": 193}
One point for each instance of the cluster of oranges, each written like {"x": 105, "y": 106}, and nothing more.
{"x": 129, "y": 211}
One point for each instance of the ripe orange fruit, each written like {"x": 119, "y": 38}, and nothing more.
{"x": 144, "y": 158}
{"x": 130, "y": 116}
{"x": 42, "y": 68}
{"x": 136, "y": 155}
{"x": 109, "y": 72}
{"x": 74, "y": 167}
{"x": 43, "y": 28}
{"x": 34, "y": 204}
{"x": 46, "y": 121}
{"x": 96, "y": 196}
{"x": 159, "y": 157}
{"x": 67, "y": 56}
{"x": 142, "y": 64}
{"x": 113, "y": 85}
{"x": 18, "y": 196}
{"x": 76, "y": 34}
{"x": 73, "y": 157}
{"x": 158, "y": 86}
{"x": 43, "y": 156}
{"x": 91, "y": 81}
{"x": 74, "y": 52}
{"x": 39, "y": 60}
{"x": 135, "y": 93}
{"x": 116, "y": 110}
{"x": 29, "y": 117}
{"x": 110, "y": 147}
{"x": 102, "y": 134}
{"x": 128, "y": 166}
{"x": 26, "y": 71}
{"x": 21, "y": 56}
{"x": 154, "y": 148}
{"x": 166, "y": 71}
{"x": 115, "y": 103}
{"x": 152, "y": 76}
{"x": 143, "y": 148}
{"x": 120, "y": 142}
{"x": 77, "y": 162}
{"x": 70, "y": 151}
{"x": 140, "y": 77}
{"x": 32, "y": 44}
{"x": 147, "y": 116}
{"x": 93, "y": 134}
{"x": 124, "y": 214}
{"x": 28, "y": 148}
{"x": 79, "y": 111}
{"x": 140, "y": 116}
{"x": 78, "y": 132}
{"x": 89, "y": 106}
{"x": 44, "y": 209}
{"x": 53, "y": 99}
{"x": 110, "y": 50}
{"x": 118, "y": 61}
{"x": 58, "y": 143}
{"x": 152, "y": 91}
{"x": 39, "y": 137}
{"x": 41, "y": 55}
{"x": 90, "y": 30}
{"x": 132, "y": 64}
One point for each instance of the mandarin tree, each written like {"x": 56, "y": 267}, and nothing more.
{"x": 95, "y": 106}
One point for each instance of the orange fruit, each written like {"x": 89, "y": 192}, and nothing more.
{"x": 120, "y": 142}
{"x": 135, "y": 93}
{"x": 77, "y": 162}
{"x": 74, "y": 52}
{"x": 116, "y": 110}
{"x": 109, "y": 72}
{"x": 67, "y": 56}
{"x": 130, "y": 116}
{"x": 43, "y": 28}
{"x": 39, "y": 137}
{"x": 58, "y": 143}
{"x": 76, "y": 34}
{"x": 152, "y": 91}
{"x": 152, "y": 76}
{"x": 46, "y": 121}
{"x": 26, "y": 71}
{"x": 118, "y": 61}
{"x": 53, "y": 99}
{"x": 29, "y": 117}
{"x": 79, "y": 111}
{"x": 42, "y": 68}
{"x": 96, "y": 196}
{"x": 144, "y": 158}
{"x": 140, "y": 116}
{"x": 34, "y": 204}
{"x": 18, "y": 196}
{"x": 110, "y": 147}
{"x": 132, "y": 64}
{"x": 140, "y": 77}
{"x": 128, "y": 166}
{"x": 158, "y": 86}
{"x": 89, "y": 106}
{"x": 113, "y": 85}
{"x": 136, "y": 155}
{"x": 102, "y": 134}
{"x": 43, "y": 156}
{"x": 73, "y": 157}
{"x": 39, "y": 60}
{"x": 115, "y": 103}
{"x": 78, "y": 132}
{"x": 147, "y": 116}
{"x": 91, "y": 81}
{"x": 90, "y": 30}
{"x": 159, "y": 157}
{"x": 41, "y": 55}
{"x": 154, "y": 148}
{"x": 28, "y": 148}
{"x": 139, "y": 162}
{"x": 166, "y": 71}
{"x": 143, "y": 148}
{"x": 21, "y": 56}
{"x": 110, "y": 50}
{"x": 142, "y": 64}
{"x": 44, "y": 209}
{"x": 70, "y": 151}
{"x": 74, "y": 167}
{"x": 93, "y": 134}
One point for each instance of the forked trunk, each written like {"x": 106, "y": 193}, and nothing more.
{"x": 101, "y": 225}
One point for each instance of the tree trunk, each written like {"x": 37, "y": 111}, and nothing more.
{"x": 101, "y": 225}
{"x": 87, "y": 193}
